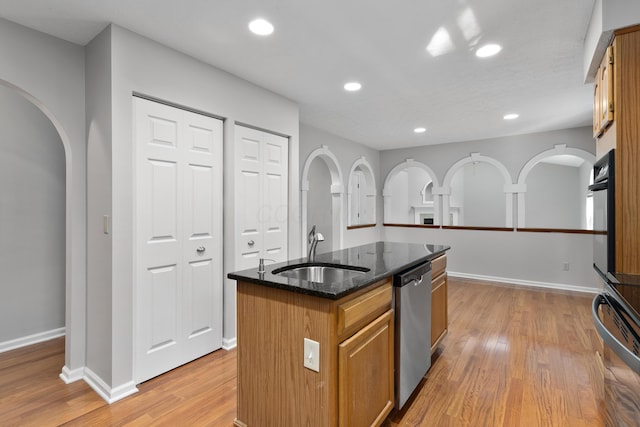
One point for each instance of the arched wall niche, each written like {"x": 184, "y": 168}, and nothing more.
{"x": 474, "y": 158}
{"x": 388, "y": 190}
{"x": 362, "y": 165}
{"x": 337, "y": 200}
{"x": 525, "y": 173}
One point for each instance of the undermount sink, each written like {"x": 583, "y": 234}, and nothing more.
{"x": 321, "y": 273}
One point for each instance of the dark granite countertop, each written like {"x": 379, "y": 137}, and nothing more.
{"x": 383, "y": 259}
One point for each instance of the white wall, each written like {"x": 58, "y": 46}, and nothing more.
{"x": 140, "y": 65}
{"x": 32, "y": 220}
{"x": 347, "y": 152}
{"x": 99, "y": 195}
{"x": 483, "y": 196}
{"x": 514, "y": 256}
{"x": 606, "y": 16}
{"x": 399, "y": 206}
{"x": 555, "y": 197}
{"x": 50, "y": 73}
{"x": 319, "y": 204}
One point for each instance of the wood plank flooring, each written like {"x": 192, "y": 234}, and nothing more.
{"x": 514, "y": 356}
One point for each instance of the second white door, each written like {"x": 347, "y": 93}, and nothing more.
{"x": 261, "y": 197}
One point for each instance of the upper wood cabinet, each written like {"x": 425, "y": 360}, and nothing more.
{"x": 623, "y": 134}
{"x": 603, "y": 105}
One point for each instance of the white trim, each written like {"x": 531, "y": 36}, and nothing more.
{"x": 69, "y": 376}
{"x": 110, "y": 395}
{"x": 229, "y": 343}
{"x": 31, "y": 339}
{"x": 530, "y": 283}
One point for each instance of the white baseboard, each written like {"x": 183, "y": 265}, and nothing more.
{"x": 558, "y": 286}
{"x": 109, "y": 394}
{"x": 31, "y": 339}
{"x": 229, "y": 343}
{"x": 71, "y": 375}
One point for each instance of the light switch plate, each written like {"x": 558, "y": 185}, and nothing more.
{"x": 312, "y": 355}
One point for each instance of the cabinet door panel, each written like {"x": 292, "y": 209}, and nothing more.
{"x": 439, "y": 318}
{"x": 365, "y": 384}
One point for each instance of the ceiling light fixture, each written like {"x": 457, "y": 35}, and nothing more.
{"x": 261, "y": 27}
{"x": 420, "y": 130}
{"x": 511, "y": 116}
{"x": 352, "y": 86}
{"x": 488, "y": 50}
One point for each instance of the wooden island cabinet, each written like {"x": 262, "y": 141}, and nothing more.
{"x": 354, "y": 384}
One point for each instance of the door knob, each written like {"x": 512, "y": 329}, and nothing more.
{"x": 251, "y": 243}
{"x": 200, "y": 249}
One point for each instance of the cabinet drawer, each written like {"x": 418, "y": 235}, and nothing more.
{"x": 438, "y": 265}
{"x": 354, "y": 314}
{"x": 438, "y": 281}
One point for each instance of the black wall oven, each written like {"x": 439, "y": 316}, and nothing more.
{"x": 603, "y": 190}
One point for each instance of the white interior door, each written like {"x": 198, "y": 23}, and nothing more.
{"x": 261, "y": 196}
{"x": 178, "y": 291}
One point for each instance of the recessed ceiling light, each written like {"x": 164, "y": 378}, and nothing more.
{"x": 488, "y": 50}
{"x": 420, "y": 130}
{"x": 352, "y": 86}
{"x": 511, "y": 116}
{"x": 261, "y": 27}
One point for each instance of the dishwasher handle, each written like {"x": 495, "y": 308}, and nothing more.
{"x": 414, "y": 276}
{"x": 609, "y": 339}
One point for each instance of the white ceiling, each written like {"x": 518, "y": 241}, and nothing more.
{"x": 318, "y": 46}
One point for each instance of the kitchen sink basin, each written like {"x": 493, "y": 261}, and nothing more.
{"x": 321, "y": 273}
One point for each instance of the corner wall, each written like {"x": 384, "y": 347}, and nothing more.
{"x": 140, "y": 65}
{"x": 49, "y": 72}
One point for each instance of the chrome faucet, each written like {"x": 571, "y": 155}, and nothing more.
{"x": 313, "y": 240}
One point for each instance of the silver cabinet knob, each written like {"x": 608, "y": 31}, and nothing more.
{"x": 251, "y": 243}
{"x": 200, "y": 249}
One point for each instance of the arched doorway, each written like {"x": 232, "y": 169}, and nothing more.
{"x": 328, "y": 159}
{"x": 40, "y": 240}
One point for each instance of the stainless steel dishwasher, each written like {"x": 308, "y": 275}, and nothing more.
{"x": 412, "y": 301}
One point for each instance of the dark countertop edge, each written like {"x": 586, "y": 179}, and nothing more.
{"x": 327, "y": 294}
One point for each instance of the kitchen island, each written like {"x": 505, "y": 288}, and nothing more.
{"x": 350, "y": 380}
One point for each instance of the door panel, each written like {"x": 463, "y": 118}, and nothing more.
{"x": 261, "y": 196}
{"x": 179, "y": 246}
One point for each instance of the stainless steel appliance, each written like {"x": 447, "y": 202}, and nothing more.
{"x": 616, "y": 313}
{"x": 412, "y": 301}
{"x": 603, "y": 189}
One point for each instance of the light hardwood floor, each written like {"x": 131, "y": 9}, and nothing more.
{"x": 514, "y": 357}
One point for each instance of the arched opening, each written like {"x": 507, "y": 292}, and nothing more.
{"x": 315, "y": 168}
{"x": 411, "y": 195}
{"x": 478, "y": 193}
{"x": 553, "y": 190}
{"x": 361, "y": 193}
{"x": 34, "y": 217}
